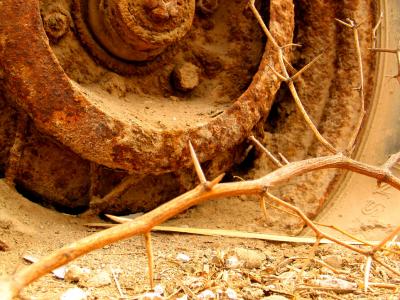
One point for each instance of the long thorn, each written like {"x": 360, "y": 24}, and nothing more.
{"x": 150, "y": 258}
{"x": 215, "y": 181}
{"x": 267, "y": 152}
{"x": 263, "y": 207}
{"x": 197, "y": 166}
{"x": 383, "y": 50}
{"x": 284, "y": 159}
{"x": 307, "y": 66}
{"x": 367, "y": 271}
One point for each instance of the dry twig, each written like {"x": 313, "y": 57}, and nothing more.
{"x": 206, "y": 190}
{"x": 146, "y": 222}
{"x": 395, "y": 51}
{"x": 354, "y": 26}
{"x": 289, "y": 80}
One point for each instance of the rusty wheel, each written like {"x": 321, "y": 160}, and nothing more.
{"x": 100, "y": 98}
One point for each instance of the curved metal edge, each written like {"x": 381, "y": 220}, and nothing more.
{"x": 35, "y": 82}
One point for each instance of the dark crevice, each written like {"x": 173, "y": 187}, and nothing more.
{"x": 36, "y": 198}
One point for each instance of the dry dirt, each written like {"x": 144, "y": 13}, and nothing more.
{"x": 271, "y": 269}
{"x": 278, "y": 268}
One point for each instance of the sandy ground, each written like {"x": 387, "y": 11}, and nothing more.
{"x": 247, "y": 268}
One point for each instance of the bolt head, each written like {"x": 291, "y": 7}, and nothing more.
{"x": 151, "y": 4}
{"x": 159, "y": 14}
{"x": 56, "y": 24}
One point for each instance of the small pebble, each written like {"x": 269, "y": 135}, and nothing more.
{"x": 275, "y": 297}
{"x": 100, "y": 279}
{"x": 183, "y": 257}
{"x": 206, "y": 294}
{"x": 151, "y": 296}
{"x": 186, "y": 77}
{"x": 328, "y": 281}
{"x": 74, "y": 294}
{"x": 252, "y": 259}
{"x": 232, "y": 262}
{"x": 75, "y": 274}
{"x": 251, "y": 293}
{"x": 231, "y": 294}
{"x": 335, "y": 261}
{"x": 159, "y": 289}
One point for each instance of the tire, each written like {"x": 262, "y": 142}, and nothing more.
{"x": 359, "y": 204}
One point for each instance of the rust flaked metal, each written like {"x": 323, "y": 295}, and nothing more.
{"x": 35, "y": 83}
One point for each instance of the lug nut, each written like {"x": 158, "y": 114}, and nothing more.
{"x": 151, "y": 4}
{"x": 56, "y": 24}
{"x": 185, "y": 77}
{"x": 159, "y": 14}
{"x": 160, "y": 11}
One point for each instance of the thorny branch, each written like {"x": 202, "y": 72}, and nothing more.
{"x": 289, "y": 80}
{"x": 394, "y": 51}
{"x": 144, "y": 223}
{"x": 206, "y": 190}
{"x": 354, "y": 26}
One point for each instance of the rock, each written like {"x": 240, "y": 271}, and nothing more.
{"x": 151, "y": 296}
{"x": 193, "y": 282}
{"x": 183, "y": 257}
{"x": 288, "y": 278}
{"x": 232, "y": 262}
{"x": 159, "y": 289}
{"x": 251, "y": 293}
{"x": 74, "y": 294}
{"x": 251, "y": 259}
{"x": 185, "y": 77}
{"x": 102, "y": 278}
{"x": 206, "y": 294}
{"x": 335, "y": 261}
{"x": 328, "y": 281}
{"x": 4, "y": 246}
{"x": 275, "y": 297}
{"x": 76, "y": 274}
{"x": 231, "y": 294}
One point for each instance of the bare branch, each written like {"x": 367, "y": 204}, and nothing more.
{"x": 388, "y": 238}
{"x": 97, "y": 205}
{"x": 160, "y": 214}
{"x": 262, "y": 24}
{"x": 308, "y": 120}
{"x": 374, "y": 35}
{"x": 286, "y": 78}
{"x": 354, "y": 26}
{"x": 395, "y": 51}
{"x": 276, "y": 162}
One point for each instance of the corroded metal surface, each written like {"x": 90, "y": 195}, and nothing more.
{"x": 75, "y": 151}
{"x": 36, "y": 83}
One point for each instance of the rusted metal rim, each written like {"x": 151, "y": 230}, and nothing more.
{"x": 36, "y": 83}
